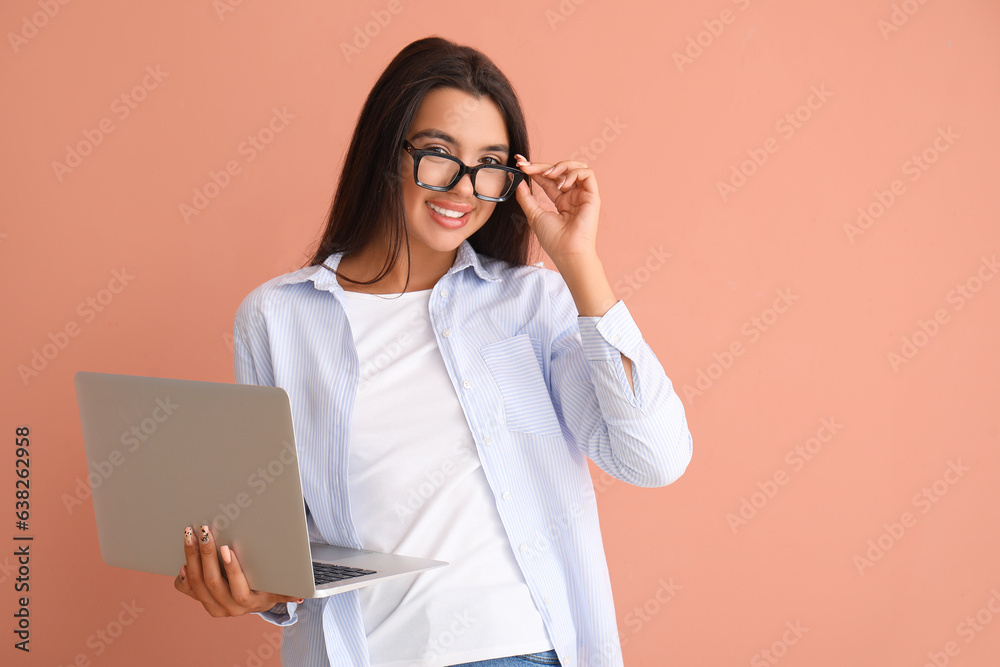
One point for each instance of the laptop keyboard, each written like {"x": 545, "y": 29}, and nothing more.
{"x": 324, "y": 573}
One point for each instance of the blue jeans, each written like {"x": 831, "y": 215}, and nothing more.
{"x": 544, "y": 658}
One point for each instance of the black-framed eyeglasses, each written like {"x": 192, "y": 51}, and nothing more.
{"x": 441, "y": 172}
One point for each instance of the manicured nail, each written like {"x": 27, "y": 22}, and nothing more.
{"x": 299, "y": 601}
{"x": 226, "y": 556}
{"x": 521, "y": 159}
{"x": 561, "y": 183}
{"x": 188, "y": 536}
{"x": 205, "y": 535}
{"x": 546, "y": 172}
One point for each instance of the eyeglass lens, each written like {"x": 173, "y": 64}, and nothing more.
{"x": 440, "y": 172}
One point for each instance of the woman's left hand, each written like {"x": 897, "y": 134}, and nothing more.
{"x": 572, "y": 187}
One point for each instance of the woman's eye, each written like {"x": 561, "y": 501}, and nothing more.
{"x": 495, "y": 161}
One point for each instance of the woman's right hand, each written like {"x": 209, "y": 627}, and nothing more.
{"x": 202, "y": 579}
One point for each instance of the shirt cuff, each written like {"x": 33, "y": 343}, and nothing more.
{"x": 280, "y": 614}
{"x": 612, "y": 334}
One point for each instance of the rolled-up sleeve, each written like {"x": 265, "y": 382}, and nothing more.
{"x": 639, "y": 436}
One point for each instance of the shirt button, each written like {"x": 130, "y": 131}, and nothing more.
{"x": 467, "y": 384}
{"x": 524, "y": 548}
{"x": 444, "y": 294}
{"x": 614, "y": 338}
{"x": 446, "y": 333}
{"x": 506, "y": 495}
{"x": 487, "y": 441}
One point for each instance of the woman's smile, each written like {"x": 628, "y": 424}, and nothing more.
{"x": 449, "y": 214}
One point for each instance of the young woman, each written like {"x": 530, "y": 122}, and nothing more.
{"x": 446, "y": 395}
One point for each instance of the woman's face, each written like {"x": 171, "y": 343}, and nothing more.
{"x": 455, "y": 123}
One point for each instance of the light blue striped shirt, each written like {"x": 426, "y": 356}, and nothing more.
{"x": 548, "y": 391}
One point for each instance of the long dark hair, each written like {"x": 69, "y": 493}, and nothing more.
{"x": 369, "y": 198}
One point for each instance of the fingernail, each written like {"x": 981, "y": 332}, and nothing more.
{"x": 205, "y": 535}
{"x": 561, "y": 183}
{"x": 521, "y": 159}
{"x": 184, "y": 572}
{"x": 226, "y": 556}
{"x": 188, "y": 536}
{"x": 546, "y": 172}
{"x": 299, "y": 601}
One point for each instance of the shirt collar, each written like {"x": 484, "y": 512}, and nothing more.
{"x": 486, "y": 268}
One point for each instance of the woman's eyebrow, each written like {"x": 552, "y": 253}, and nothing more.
{"x": 444, "y": 136}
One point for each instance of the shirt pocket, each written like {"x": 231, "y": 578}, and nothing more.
{"x": 515, "y": 365}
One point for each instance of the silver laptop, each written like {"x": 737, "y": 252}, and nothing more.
{"x": 163, "y": 454}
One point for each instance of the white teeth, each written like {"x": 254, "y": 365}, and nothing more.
{"x": 445, "y": 212}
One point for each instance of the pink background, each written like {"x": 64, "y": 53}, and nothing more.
{"x": 808, "y": 111}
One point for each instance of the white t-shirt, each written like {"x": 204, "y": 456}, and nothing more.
{"x": 417, "y": 488}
